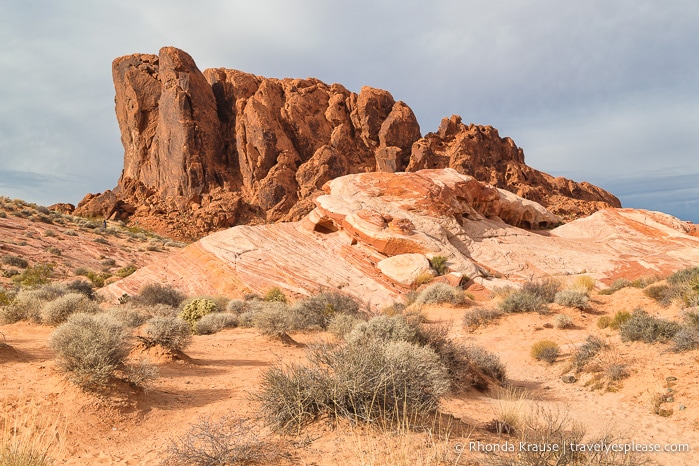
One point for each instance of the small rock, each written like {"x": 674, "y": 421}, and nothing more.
{"x": 682, "y": 407}
{"x": 569, "y": 379}
{"x": 669, "y": 399}
{"x": 548, "y": 325}
{"x": 670, "y": 379}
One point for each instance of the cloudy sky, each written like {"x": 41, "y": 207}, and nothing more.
{"x": 603, "y": 91}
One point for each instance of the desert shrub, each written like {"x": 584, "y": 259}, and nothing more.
{"x": 319, "y": 309}
{"x": 81, "y": 271}
{"x": 372, "y": 381}
{"x": 55, "y": 251}
{"x": 643, "y": 282}
{"x": 644, "y": 327}
{"x": 275, "y": 295}
{"x": 195, "y": 310}
{"x": 270, "y": 318}
{"x": 226, "y": 441}
{"x": 424, "y": 278}
{"x": 34, "y": 276}
{"x": 26, "y": 305}
{"x": 463, "y": 371}
{"x": 616, "y": 285}
{"x": 481, "y": 316}
{"x": 5, "y": 299}
{"x": 237, "y": 306}
{"x": 489, "y": 363}
{"x": 108, "y": 262}
{"x": 588, "y": 350}
{"x": 57, "y": 311}
{"x": 685, "y": 286}
{"x": 544, "y": 289}
{"x": 126, "y": 271}
{"x": 520, "y": 301}
{"x": 619, "y": 319}
{"x": 439, "y": 293}
{"x": 159, "y": 294}
{"x": 98, "y": 279}
{"x": 169, "y": 332}
{"x": 293, "y": 396}
{"x": 686, "y": 339}
{"x": 572, "y": 298}
{"x": 131, "y": 317}
{"x": 215, "y": 322}
{"x": 617, "y": 371}
{"x": 50, "y": 291}
{"x": 584, "y": 283}
{"x": 15, "y": 261}
{"x": 101, "y": 240}
{"x": 545, "y": 350}
{"x": 90, "y": 348}
{"x": 141, "y": 373}
{"x": 562, "y": 321}
{"x": 660, "y": 293}
{"x": 342, "y": 324}
{"x": 604, "y": 321}
{"x": 9, "y": 273}
{"x": 384, "y": 328}
{"x": 439, "y": 265}
{"x": 81, "y": 286}
{"x": 691, "y": 317}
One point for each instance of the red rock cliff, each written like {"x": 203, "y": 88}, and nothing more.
{"x": 204, "y": 151}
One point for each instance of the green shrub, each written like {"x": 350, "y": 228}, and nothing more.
{"x": 644, "y": 327}
{"x": 275, "y": 295}
{"x": 57, "y": 311}
{"x": 126, "y": 271}
{"x": 34, "y": 276}
{"x": 98, "y": 279}
{"x": 619, "y": 319}
{"x": 153, "y": 294}
{"x": 439, "y": 265}
{"x": 481, "y": 316}
{"x": 383, "y": 328}
{"x": 439, "y": 293}
{"x": 196, "y": 309}
{"x": 90, "y": 348}
{"x": 215, "y": 322}
{"x": 15, "y": 261}
{"x": 572, "y": 298}
{"x": 604, "y": 321}
{"x": 545, "y": 350}
{"x": 169, "y": 332}
{"x": 563, "y": 321}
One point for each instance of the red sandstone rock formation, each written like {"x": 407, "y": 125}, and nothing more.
{"x": 479, "y": 151}
{"x": 205, "y": 151}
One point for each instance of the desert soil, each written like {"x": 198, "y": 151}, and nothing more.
{"x": 130, "y": 426}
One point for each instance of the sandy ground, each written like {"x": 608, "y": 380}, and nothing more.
{"x": 131, "y": 426}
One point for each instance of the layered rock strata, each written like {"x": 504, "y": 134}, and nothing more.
{"x": 209, "y": 150}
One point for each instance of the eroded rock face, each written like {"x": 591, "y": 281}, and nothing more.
{"x": 479, "y": 151}
{"x": 209, "y": 150}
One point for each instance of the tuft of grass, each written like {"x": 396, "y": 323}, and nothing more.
{"x": 545, "y": 350}
{"x": 15, "y": 261}
{"x": 27, "y": 437}
{"x": 588, "y": 350}
{"x": 619, "y": 319}
{"x": 275, "y": 295}
{"x": 584, "y": 283}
